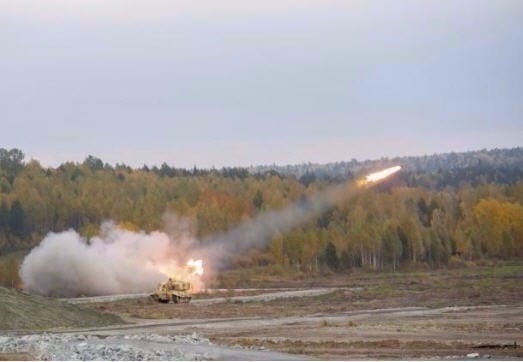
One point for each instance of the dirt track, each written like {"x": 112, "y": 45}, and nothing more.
{"x": 167, "y": 325}
{"x": 379, "y": 323}
{"x": 420, "y": 332}
{"x": 261, "y": 295}
{"x": 405, "y": 332}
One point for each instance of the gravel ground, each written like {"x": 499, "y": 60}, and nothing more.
{"x": 139, "y": 347}
{"x": 79, "y": 347}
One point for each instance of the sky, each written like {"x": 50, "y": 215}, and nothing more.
{"x": 250, "y": 82}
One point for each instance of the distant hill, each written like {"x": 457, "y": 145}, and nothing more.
{"x": 502, "y": 166}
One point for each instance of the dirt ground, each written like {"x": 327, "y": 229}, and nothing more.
{"x": 16, "y": 357}
{"x": 423, "y": 315}
{"x": 430, "y": 333}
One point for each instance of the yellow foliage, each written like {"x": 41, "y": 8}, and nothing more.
{"x": 499, "y": 227}
{"x": 89, "y": 230}
{"x": 127, "y": 225}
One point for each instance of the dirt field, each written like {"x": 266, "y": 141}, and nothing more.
{"x": 439, "y": 314}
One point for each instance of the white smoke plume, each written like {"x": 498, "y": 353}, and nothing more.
{"x": 117, "y": 261}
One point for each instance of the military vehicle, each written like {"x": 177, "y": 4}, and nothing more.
{"x": 172, "y": 290}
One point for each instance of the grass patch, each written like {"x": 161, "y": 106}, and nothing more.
{"x": 9, "y": 266}
{"x": 21, "y": 311}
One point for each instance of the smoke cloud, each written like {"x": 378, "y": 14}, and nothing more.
{"x": 117, "y": 261}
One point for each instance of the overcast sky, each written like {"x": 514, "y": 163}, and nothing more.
{"x": 229, "y": 83}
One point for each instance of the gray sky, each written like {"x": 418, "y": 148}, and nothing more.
{"x": 244, "y": 82}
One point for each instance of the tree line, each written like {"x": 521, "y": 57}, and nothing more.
{"x": 413, "y": 218}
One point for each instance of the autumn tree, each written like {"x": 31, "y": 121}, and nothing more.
{"x": 331, "y": 256}
{"x": 11, "y": 163}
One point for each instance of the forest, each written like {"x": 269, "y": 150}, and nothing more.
{"x": 440, "y": 209}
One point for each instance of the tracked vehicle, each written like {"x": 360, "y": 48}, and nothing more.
{"x": 176, "y": 291}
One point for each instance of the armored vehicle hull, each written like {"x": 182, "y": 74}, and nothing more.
{"x": 175, "y": 291}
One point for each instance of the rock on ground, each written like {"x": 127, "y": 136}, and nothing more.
{"x": 138, "y": 347}
{"x": 81, "y": 347}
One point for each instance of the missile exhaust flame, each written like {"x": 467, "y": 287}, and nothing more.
{"x": 195, "y": 266}
{"x": 379, "y": 176}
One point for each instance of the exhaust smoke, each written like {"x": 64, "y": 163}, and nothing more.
{"x": 119, "y": 261}
{"x": 256, "y": 233}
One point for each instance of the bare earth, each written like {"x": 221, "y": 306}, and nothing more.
{"x": 424, "y": 315}
{"x": 444, "y": 314}
{"x": 415, "y": 332}
{"x": 213, "y": 297}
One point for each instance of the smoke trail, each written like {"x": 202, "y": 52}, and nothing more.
{"x": 217, "y": 250}
{"x": 256, "y": 233}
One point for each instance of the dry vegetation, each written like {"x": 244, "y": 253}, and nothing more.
{"x": 461, "y": 287}
{"x": 21, "y": 311}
